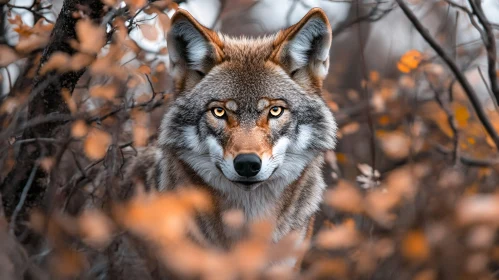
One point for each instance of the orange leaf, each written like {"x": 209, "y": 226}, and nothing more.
{"x": 79, "y": 129}
{"x": 415, "y": 246}
{"x": 345, "y": 197}
{"x": 106, "y": 92}
{"x": 403, "y": 68}
{"x": 144, "y": 69}
{"x": 91, "y": 37}
{"x": 8, "y": 55}
{"x": 96, "y": 144}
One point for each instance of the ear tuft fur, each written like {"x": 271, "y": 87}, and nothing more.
{"x": 305, "y": 45}
{"x": 192, "y": 47}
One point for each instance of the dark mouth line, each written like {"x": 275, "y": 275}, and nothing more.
{"x": 248, "y": 183}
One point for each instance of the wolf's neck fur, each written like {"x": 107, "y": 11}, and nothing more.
{"x": 289, "y": 206}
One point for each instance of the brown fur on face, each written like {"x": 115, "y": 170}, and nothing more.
{"x": 249, "y": 141}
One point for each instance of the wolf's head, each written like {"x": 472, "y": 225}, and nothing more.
{"x": 248, "y": 113}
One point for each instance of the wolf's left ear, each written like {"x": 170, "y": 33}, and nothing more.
{"x": 193, "y": 49}
{"x": 303, "y": 49}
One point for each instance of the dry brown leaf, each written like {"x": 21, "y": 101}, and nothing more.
{"x": 477, "y": 262}
{"x": 233, "y": 218}
{"x": 476, "y": 209}
{"x": 7, "y": 55}
{"x": 104, "y": 91}
{"x": 9, "y": 105}
{"x": 161, "y": 67}
{"x": 110, "y": 3}
{"x": 135, "y": 5}
{"x": 67, "y": 263}
{"x": 96, "y": 144}
{"x": 91, "y": 37}
{"x": 164, "y": 20}
{"x": 140, "y": 135}
{"x": 345, "y": 197}
{"x": 481, "y": 237}
{"x": 415, "y": 247}
{"x": 340, "y": 237}
{"x": 379, "y": 205}
{"x": 332, "y": 268}
{"x": 149, "y": 32}
{"x": 144, "y": 69}
{"x": 58, "y": 61}
{"x": 350, "y": 128}
{"x": 403, "y": 181}
{"x": 95, "y": 228}
{"x": 395, "y": 144}
{"x": 81, "y": 60}
{"x": 68, "y": 98}
{"x": 47, "y": 163}
{"x": 79, "y": 129}
{"x": 426, "y": 274}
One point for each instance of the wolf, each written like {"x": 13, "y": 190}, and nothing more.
{"x": 248, "y": 123}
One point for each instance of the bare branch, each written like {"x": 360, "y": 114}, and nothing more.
{"x": 24, "y": 194}
{"x": 490, "y": 46}
{"x": 468, "y": 89}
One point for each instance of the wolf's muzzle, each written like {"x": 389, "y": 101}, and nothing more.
{"x": 247, "y": 165}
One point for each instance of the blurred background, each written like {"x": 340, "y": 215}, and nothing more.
{"x": 412, "y": 183}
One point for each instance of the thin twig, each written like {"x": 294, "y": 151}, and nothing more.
{"x": 24, "y": 194}
{"x": 486, "y": 85}
{"x": 450, "y": 119}
{"x": 32, "y": 11}
{"x": 372, "y": 16}
{"x": 470, "y": 92}
{"x": 31, "y": 140}
{"x": 468, "y": 160}
{"x": 490, "y": 46}
{"x": 366, "y": 94}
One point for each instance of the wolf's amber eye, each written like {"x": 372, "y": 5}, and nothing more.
{"x": 276, "y": 111}
{"x": 218, "y": 112}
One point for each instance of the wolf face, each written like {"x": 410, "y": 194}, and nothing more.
{"x": 248, "y": 113}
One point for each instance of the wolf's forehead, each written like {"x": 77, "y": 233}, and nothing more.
{"x": 247, "y": 50}
{"x": 247, "y": 85}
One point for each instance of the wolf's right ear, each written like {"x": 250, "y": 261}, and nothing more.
{"x": 193, "y": 49}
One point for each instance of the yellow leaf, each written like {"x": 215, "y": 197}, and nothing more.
{"x": 462, "y": 115}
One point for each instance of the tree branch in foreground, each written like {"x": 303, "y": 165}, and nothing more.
{"x": 48, "y": 101}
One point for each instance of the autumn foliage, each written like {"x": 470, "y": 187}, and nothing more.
{"x": 412, "y": 185}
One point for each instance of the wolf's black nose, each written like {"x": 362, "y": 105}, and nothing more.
{"x": 247, "y": 165}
